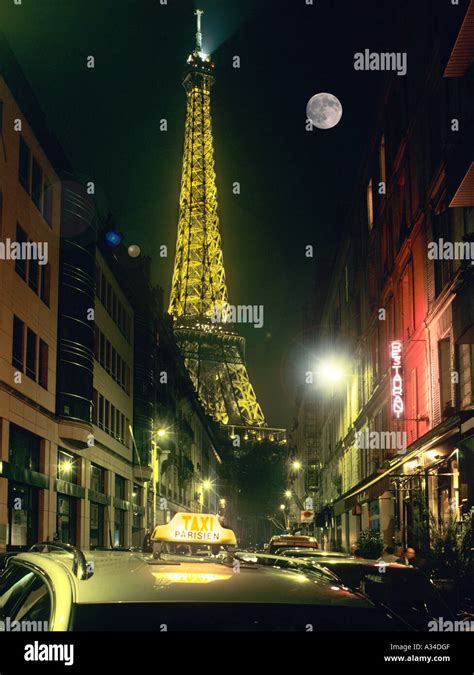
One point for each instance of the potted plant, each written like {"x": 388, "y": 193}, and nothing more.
{"x": 370, "y": 543}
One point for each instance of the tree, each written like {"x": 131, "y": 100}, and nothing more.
{"x": 261, "y": 478}
{"x": 257, "y": 471}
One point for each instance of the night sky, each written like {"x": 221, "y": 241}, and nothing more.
{"x": 295, "y": 185}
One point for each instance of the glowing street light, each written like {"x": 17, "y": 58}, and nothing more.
{"x": 161, "y": 433}
{"x": 282, "y": 507}
{"x": 288, "y": 493}
{"x": 331, "y": 372}
{"x": 296, "y": 465}
{"x": 207, "y": 484}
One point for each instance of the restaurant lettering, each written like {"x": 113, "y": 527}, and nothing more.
{"x": 396, "y": 377}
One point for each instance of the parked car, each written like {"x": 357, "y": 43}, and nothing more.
{"x": 404, "y": 590}
{"x": 311, "y": 553}
{"x": 64, "y": 588}
{"x": 282, "y": 541}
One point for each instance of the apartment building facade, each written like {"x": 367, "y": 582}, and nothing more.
{"x": 83, "y": 359}
{"x": 30, "y": 195}
{"x": 395, "y": 435}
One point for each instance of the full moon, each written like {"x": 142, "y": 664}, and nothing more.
{"x": 324, "y": 110}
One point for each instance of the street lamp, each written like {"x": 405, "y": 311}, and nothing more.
{"x": 288, "y": 494}
{"x": 331, "y": 372}
{"x": 296, "y": 465}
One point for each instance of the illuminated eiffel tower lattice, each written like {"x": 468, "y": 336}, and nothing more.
{"x": 214, "y": 352}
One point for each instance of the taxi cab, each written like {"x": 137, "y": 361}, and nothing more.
{"x": 68, "y": 589}
{"x": 282, "y": 541}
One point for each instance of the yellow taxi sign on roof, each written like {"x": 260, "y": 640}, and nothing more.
{"x": 198, "y": 527}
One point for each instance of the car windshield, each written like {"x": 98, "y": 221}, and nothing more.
{"x": 228, "y": 617}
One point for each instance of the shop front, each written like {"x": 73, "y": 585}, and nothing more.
{"x": 430, "y": 484}
{"x": 25, "y": 483}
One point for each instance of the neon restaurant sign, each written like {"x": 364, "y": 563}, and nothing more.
{"x": 396, "y": 377}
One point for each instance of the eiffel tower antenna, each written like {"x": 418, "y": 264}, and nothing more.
{"x": 214, "y": 352}
{"x": 199, "y": 13}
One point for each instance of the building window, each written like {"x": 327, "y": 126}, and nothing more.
{"x": 107, "y": 356}
{"x": 31, "y": 354}
{"x": 137, "y": 522}
{"x": 113, "y": 365}
{"x": 66, "y": 519}
{"x": 36, "y": 183}
{"x": 370, "y": 205}
{"x": 119, "y": 531}
{"x": 407, "y": 303}
{"x": 24, "y": 165}
{"x": 110, "y": 359}
{"x": 48, "y": 202}
{"x": 137, "y": 495}
{"x": 107, "y": 416}
{"x": 95, "y": 405}
{"x": 24, "y": 448}
{"x": 120, "y": 487}
{"x": 445, "y": 373}
{"x": 96, "y": 535}
{"x": 45, "y": 280}
{"x": 100, "y": 412}
{"x": 102, "y": 349}
{"x": 18, "y": 343}
{"x": 443, "y": 268}
{"x": 33, "y": 275}
{"x": 466, "y": 369}
{"x": 20, "y": 263}
{"x": 43, "y": 364}
{"x": 97, "y": 479}
{"x": 22, "y": 516}
{"x": 118, "y": 369}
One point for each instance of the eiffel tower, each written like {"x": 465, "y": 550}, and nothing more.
{"x": 214, "y": 352}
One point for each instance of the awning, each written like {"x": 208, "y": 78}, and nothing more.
{"x": 462, "y": 53}
{"x": 464, "y": 195}
{"x": 448, "y": 432}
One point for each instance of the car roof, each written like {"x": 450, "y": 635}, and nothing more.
{"x": 134, "y": 577}
{"x": 317, "y": 552}
{"x": 358, "y": 562}
{"x": 292, "y": 537}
